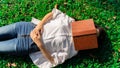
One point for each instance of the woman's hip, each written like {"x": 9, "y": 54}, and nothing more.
{"x": 24, "y": 28}
{"x": 25, "y": 43}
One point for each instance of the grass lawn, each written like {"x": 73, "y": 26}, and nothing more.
{"x": 104, "y": 13}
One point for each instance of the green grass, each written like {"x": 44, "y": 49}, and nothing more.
{"x": 105, "y": 13}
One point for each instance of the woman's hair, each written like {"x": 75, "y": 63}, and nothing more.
{"x": 102, "y": 35}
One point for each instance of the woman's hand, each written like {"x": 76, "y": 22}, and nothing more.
{"x": 35, "y": 35}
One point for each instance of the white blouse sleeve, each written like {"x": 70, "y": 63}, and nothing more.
{"x": 59, "y": 14}
{"x": 55, "y": 12}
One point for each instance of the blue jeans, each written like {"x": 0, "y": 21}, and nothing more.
{"x": 15, "y": 39}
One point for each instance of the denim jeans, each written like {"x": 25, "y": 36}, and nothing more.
{"x": 15, "y": 39}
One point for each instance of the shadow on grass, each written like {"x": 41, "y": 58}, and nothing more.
{"x": 103, "y": 54}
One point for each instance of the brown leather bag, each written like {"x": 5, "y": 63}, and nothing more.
{"x": 84, "y": 34}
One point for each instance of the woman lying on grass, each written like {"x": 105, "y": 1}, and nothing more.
{"x": 48, "y": 43}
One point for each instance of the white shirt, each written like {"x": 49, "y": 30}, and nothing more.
{"x": 57, "y": 39}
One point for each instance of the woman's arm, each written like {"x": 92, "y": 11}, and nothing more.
{"x": 45, "y": 53}
{"x": 38, "y": 28}
{"x": 36, "y": 37}
{"x": 45, "y": 19}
